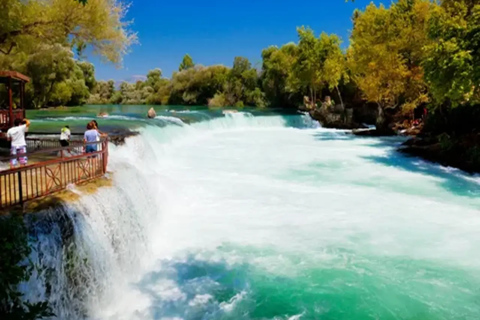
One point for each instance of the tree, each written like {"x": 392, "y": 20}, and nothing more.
{"x": 333, "y": 62}
{"x": 48, "y": 67}
{"x": 386, "y": 54}
{"x": 187, "y": 63}
{"x": 154, "y": 78}
{"x": 307, "y": 68}
{"x": 452, "y": 64}
{"x": 195, "y": 86}
{"x": 103, "y": 92}
{"x": 88, "y": 70}
{"x": 276, "y": 73}
{"x": 24, "y": 25}
{"x": 241, "y": 83}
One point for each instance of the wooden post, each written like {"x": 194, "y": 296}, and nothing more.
{"x": 20, "y": 187}
{"x": 105, "y": 155}
{"x": 22, "y": 97}
{"x": 10, "y": 101}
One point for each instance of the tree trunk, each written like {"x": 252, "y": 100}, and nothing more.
{"x": 381, "y": 122}
{"x": 340, "y": 97}
{"x": 312, "y": 104}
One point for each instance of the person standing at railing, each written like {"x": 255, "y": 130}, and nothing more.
{"x": 18, "y": 144}
{"x": 101, "y": 134}
{"x": 90, "y": 138}
{"x": 65, "y": 136}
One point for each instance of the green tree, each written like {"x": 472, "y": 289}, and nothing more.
{"x": 452, "y": 64}
{"x": 154, "y": 78}
{"x": 48, "y": 67}
{"x": 88, "y": 70}
{"x": 307, "y": 67}
{"x": 277, "y": 70}
{"x": 333, "y": 62}
{"x": 187, "y": 63}
{"x": 386, "y": 53}
{"x": 241, "y": 84}
{"x": 26, "y": 24}
{"x": 195, "y": 86}
{"x": 103, "y": 92}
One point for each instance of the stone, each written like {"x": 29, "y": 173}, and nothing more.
{"x": 151, "y": 113}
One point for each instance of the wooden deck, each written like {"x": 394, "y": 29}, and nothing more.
{"x": 48, "y": 174}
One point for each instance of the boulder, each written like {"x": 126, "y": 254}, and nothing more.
{"x": 334, "y": 116}
{"x": 151, "y": 113}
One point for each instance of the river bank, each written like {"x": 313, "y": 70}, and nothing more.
{"x": 458, "y": 151}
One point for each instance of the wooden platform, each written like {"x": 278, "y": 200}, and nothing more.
{"x": 46, "y": 175}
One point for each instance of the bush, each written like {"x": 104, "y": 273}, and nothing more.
{"x": 218, "y": 100}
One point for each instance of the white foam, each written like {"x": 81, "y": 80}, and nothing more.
{"x": 231, "y": 304}
{"x": 174, "y": 120}
{"x": 284, "y": 199}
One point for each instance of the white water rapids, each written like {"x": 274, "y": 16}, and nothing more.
{"x": 267, "y": 217}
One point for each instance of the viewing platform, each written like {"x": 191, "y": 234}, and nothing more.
{"x": 51, "y": 168}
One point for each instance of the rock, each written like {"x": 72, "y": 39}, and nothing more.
{"x": 151, "y": 113}
{"x": 459, "y": 152}
{"x": 372, "y": 133}
{"x": 118, "y": 136}
{"x": 334, "y": 117}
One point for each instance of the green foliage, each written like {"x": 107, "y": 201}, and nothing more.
{"x": 88, "y": 71}
{"x": 218, "y": 100}
{"x": 49, "y": 67}
{"x": 452, "y": 61}
{"x": 387, "y": 51}
{"x": 24, "y": 25}
{"x": 187, "y": 63}
{"x": 241, "y": 81}
{"x": 103, "y": 92}
{"x": 446, "y": 142}
{"x": 14, "y": 269}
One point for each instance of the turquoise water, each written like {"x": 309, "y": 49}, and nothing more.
{"x": 111, "y": 117}
{"x": 256, "y": 216}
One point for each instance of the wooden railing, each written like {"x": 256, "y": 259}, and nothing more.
{"x": 43, "y": 178}
{"x": 5, "y": 117}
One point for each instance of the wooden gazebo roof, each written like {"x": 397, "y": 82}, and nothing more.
{"x": 16, "y": 76}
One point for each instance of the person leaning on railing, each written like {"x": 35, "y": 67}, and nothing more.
{"x": 18, "y": 144}
{"x": 92, "y": 137}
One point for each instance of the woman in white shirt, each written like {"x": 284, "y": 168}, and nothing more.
{"x": 18, "y": 144}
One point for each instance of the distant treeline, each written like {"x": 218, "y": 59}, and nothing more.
{"x": 415, "y": 52}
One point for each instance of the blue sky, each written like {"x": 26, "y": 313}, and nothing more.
{"x": 214, "y": 32}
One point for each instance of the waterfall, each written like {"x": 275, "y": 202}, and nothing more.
{"x": 261, "y": 217}
{"x": 85, "y": 251}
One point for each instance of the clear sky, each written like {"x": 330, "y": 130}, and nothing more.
{"x": 214, "y": 31}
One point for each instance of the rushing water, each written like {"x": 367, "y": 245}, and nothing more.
{"x": 264, "y": 217}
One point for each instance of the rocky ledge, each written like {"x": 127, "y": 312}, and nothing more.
{"x": 335, "y": 117}
{"x": 118, "y": 136}
{"x": 461, "y": 152}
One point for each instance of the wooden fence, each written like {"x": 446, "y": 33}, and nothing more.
{"x": 59, "y": 168}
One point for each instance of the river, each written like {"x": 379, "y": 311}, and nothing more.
{"x": 260, "y": 216}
